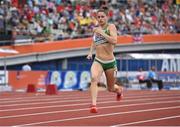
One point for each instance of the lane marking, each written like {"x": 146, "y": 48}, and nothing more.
{"x": 83, "y": 109}
{"x": 85, "y": 92}
{"x": 78, "y": 100}
{"x": 43, "y": 99}
{"x": 41, "y": 95}
{"x": 95, "y": 116}
{"x": 101, "y": 102}
{"x": 146, "y": 121}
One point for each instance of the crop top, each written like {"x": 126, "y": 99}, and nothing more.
{"x": 99, "y": 39}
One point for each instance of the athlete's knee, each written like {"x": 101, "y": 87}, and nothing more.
{"x": 94, "y": 79}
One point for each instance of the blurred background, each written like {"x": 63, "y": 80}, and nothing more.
{"x": 52, "y": 38}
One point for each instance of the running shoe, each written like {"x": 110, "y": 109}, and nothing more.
{"x": 119, "y": 96}
{"x": 93, "y": 109}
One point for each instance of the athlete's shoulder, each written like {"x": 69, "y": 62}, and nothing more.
{"x": 111, "y": 25}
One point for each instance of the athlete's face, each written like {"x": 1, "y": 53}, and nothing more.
{"x": 101, "y": 18}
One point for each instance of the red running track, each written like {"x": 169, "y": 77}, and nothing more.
{"x": 71, "y": 108}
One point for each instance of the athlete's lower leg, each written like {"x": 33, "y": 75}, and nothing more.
{"x": 94, "y": 92}
{"x": 117, "y": 89}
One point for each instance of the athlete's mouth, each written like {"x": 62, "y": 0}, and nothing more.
{"x": 101, "y": 21}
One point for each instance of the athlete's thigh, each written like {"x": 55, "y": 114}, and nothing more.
{"x": 111, "y": 77}
{"x": 96, "y": 70}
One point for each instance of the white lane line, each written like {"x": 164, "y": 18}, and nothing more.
{"x": 146, "y": 121}
{"x": 50, "y": 102}
{"x": 100, "y": 102}
{"x": 78, "y": 100}
{"x": 43, "y": 99}
{"x": 71, "y": 94}
{"x": 41, "y": 95}
{"x": 77, "y": 110}
{"x": 95, "y": 116}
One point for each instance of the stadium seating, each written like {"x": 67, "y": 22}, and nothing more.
{"x": 65, "y": 19}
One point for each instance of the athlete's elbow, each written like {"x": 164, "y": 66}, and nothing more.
{"x": 114, "y": 41}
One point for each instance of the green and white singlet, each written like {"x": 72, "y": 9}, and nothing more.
{"x": 99, "y": 39}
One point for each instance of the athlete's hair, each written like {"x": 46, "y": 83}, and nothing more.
{"x": 103, "y": 9}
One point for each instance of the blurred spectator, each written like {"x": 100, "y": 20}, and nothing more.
{"x": 61, "y": 19}
{"x": 142, "y": 78}
{"x": 1, "y": 24}
{"x": 138, "y": 38}
{"x": 152, "y": 76}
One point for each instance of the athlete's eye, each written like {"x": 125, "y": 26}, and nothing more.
{"x": 100, "y": 17}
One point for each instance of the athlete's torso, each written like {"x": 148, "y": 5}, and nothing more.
{"x": 104, "y": 49}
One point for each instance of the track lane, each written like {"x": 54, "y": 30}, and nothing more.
{"x": 47, "y": 100}
{"x": 31, "y": 110}
{"x": 63, "y": 114}
{"x": 109, "y": 118}
{"x": 67, "y": 112}
{"x": 161, "y": 121}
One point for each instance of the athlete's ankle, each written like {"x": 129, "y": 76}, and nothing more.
{"x": 120, "y": 90}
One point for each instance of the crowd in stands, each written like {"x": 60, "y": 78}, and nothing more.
{"x": 61, "y": 19}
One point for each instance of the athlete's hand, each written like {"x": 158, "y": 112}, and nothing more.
{"x": 98, "y": 30}
{"x": 89, "y": 57}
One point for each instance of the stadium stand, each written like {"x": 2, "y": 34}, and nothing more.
{"x": 64, "y": 19}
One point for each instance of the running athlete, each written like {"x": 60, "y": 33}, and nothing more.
{"x": 104, "y": 41}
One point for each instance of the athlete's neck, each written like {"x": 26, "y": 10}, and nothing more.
{"x": 104, "y": 25}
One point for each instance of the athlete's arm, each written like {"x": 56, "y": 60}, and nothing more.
{"x": 113, "y": 34}
{"x": 91, "y": 51}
